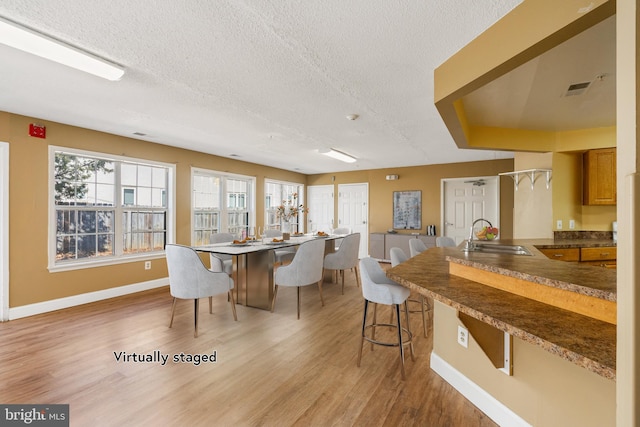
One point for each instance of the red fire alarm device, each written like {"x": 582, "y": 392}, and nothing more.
{"x": 37, "y": 131}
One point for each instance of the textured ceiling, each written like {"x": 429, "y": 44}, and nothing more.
{"x": 534, "y": 95}
{"x": 270, "y": 82}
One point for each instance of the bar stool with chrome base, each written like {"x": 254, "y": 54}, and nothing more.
{"x": 398, "y": 256}
{"x": 379, "y": 289}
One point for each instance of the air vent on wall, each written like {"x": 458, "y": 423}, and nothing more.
{"x": 577, "y": 89}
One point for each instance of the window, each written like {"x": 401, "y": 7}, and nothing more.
{"x": 106, "y": 209}
{"x": 221, "y": 203}
{"x": 276, "y": 193}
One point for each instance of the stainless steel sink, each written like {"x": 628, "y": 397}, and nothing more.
{"x": 498, "y": 248}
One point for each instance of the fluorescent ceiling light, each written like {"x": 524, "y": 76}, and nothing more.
{"x": 339, "y": 155}
{"x": 38, "y": 44}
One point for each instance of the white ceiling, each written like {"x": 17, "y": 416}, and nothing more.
{"x": 268, "y": 81}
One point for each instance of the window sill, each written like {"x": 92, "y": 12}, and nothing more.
{"x": 81, "y": 265}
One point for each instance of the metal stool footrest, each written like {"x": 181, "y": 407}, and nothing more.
{"x": 406, "y": 332}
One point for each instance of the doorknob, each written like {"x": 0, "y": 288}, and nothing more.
{"x": 448, "y": 223}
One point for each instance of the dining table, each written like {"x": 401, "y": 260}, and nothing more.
{"x": 254, "y": 261}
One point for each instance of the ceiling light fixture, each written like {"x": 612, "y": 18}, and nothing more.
{"x": 339, "y": 155}
{"x": 352, "y": 116}
{"x": 46, "y": 47}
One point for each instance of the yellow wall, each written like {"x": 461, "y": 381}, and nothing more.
{"x": 30, "y": 281}
{"x": 533, "y": 210}
{"x": 424, "y": 178}
{"x": 567, "y": 171}
{"x": 544, "y": 390}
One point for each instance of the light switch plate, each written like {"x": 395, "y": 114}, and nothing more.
{"x": 559, "y": 224}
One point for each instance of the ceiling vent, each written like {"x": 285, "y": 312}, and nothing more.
{"x": 577, "y": 89}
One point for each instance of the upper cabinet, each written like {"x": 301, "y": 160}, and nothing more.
{"x": 599, "y": 175}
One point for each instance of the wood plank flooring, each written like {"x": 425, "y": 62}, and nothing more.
{"x": 271, "y": 369}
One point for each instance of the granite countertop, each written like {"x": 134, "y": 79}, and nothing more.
{"x": 572, "y": 276}
{"x": 585, "y": 341}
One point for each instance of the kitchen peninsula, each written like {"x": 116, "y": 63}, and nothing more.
{"x": 568, "y": 338}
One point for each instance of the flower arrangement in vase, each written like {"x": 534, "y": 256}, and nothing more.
{"x": 289, "y": 209}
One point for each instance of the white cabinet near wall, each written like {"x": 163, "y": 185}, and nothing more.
{"x": 381, "y": 243}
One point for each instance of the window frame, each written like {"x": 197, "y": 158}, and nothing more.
{"x": 118, "y": 209}
{"x": 301, "y": 221}
{"x": 224, "y": 194}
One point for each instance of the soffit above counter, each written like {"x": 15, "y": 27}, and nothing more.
{"x": 472, "y": 86}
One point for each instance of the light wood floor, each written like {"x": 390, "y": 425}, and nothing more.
{"x": 271, "y": 369}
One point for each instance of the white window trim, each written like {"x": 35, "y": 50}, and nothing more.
{"x": 4, "y": 231}
{"x": 251, "y": 203}
{"x": 90, "y": 263}
{"x": 301, "y": 196}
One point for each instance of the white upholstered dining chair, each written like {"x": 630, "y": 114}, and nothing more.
{"x": 221, "y": 262}
{"x": 346, "y": 257}
{"x": 189, "y": 278}
{"x": 281, "y": 255}
{"x": 445, "y": 242}
{"x": 416, "y": 246}
{"x": 305, "y": 269}
{"x": 340, "y": 230}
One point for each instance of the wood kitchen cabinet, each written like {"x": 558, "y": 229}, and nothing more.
{"x": 562, "y": 254}
{"x": 599, "y": 177}
{"x": 603, "y": 256}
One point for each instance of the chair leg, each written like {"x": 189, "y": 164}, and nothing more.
{"x": 424, "y": 318}
{"x": 195, "y": 307}
{"x": 397, "y": 307}
{"x": 233, "y": 305}
{"x": 342, "y": 276}
{"x": 355, "y": 270}
{"x": 210, "y": 305}
{"x": 320, "y": 289}
{"x": 173, "y": 310}
{"x": 364, "y": 324}
{"x": 273, "y": 301}
{"x": 298, "y": 287}
{"x": 373, "y": 327}
{"x": 406, "y": 315}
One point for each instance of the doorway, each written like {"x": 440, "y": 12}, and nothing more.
{"x": 320, "y": 202}
{"x": 4, "y": 231}
{"x": 353, "y": 212}
{"x": 466, "y": 199}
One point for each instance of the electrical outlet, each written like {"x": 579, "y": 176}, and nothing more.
{"x": 147, "y": 265}
{"x": 463, "y": 336}
{"x": 559, "y": 224}
{"x": 572, "y": 224}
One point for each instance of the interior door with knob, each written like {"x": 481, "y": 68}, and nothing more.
{"x": 465, "y": 200}
{"x": 353, "y": 212}
{"x": 321, "y": 208}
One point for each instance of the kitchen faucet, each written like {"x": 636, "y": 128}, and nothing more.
{"x": 469, "y": 243}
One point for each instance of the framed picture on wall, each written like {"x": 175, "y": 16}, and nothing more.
{"x": 407, "y": 210}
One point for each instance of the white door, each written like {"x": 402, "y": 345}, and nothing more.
{"x": 4, "y": 231}
{"x": 320, "y": 203}
{"x": 464, "y": 200}
{"x": 353, "y": 212}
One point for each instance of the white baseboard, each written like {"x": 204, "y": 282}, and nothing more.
{"x": 493, "y": 408}
{"x": 72, "y": 301}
